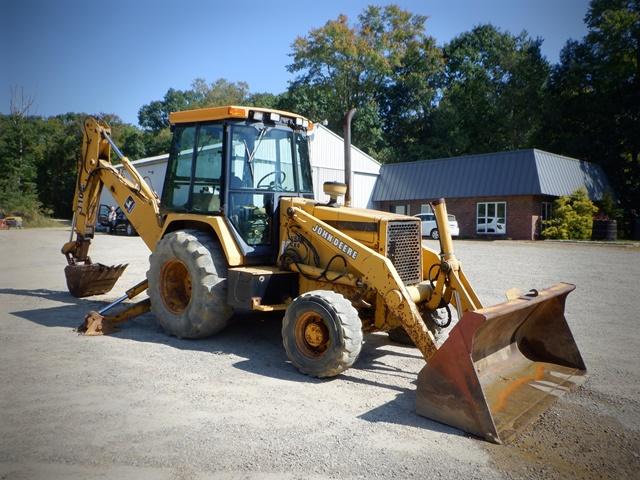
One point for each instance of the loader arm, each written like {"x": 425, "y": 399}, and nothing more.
{"x": 444, "y": 281}
{"x": 135, "y": 197}
{"x": 377, "y": 272}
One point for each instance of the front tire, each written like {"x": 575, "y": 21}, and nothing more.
{"x": 435, "y": 234}
{"x": 322, "y": 333}
{"x": 188, "y": 285}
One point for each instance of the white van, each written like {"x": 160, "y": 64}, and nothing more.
{"x": 430, "y": 229}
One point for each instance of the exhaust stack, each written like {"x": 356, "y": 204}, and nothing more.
{"x": 346, "y": 126}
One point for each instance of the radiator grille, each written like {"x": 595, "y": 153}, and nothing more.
{"x": 404, "y": 250}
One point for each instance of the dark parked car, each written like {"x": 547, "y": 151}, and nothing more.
{"x": 123, "y": 227}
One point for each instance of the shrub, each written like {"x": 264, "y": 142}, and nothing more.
{"x": 572, "y": 217}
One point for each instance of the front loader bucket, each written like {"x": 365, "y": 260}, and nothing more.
{"x": 92, "y": 279}
{"x": 502, "y": 366}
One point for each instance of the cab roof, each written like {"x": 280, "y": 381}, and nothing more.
{"x": 226, "y": 112}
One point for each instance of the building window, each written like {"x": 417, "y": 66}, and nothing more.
{"x": 426, "y": 208}
{"x": 400, "y": 209}
{"x": 491, "y": 218}
{"x": 546, "y": 211}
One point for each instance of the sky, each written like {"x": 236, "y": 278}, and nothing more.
{"x": 113, "y": 57}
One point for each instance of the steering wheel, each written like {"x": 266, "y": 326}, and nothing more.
{"x": 280, "y": 177}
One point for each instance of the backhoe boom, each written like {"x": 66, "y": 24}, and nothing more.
{"x": 136, "y": 199}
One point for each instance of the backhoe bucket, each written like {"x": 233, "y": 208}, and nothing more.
{"x": 502, "y": 366}
{"x": 92, "y": 279}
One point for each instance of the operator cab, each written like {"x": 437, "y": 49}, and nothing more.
{"x": 238, "y": 162}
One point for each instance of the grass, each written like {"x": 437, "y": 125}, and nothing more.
{"x": 41, "y": 221}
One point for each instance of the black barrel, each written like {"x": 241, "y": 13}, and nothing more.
{"x": 604, "y": 230}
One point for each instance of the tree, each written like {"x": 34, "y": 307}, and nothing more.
{"x": 60, "y": 139}
{"x": 218, "y": 93}
{"x": 572, "y": 217}
{"x": 594, "y": 97}
{"x": 157, "y": 143}
{"x": 19, "y": 155}
{"x": 493, "y": 88}
{"x": 381, "y": 66}
{"x": 154, "y": 116}
{"x": 264, "y": 100}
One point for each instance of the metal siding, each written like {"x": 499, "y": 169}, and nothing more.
{"x": 324, "y": 152}
{"x": 327, "y": 150}
{"x": 156, "y": 173}
{"x": 327, "y": 157}
{"x": 321, "y": 175}
{"x": 362, "y": 189}
{"x": 362, "y": 185}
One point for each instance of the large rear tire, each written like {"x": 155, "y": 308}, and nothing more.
{"x": 188, "y": 285}
{"x": 322, "y": 333}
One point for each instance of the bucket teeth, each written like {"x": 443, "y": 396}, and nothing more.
{"x": 93, "y": 279}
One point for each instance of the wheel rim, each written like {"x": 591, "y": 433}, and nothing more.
{"x": 435, "y": 235}
{"x": 175, "y": 286}
{"x": 312, "y": 335}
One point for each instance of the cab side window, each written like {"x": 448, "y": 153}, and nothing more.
{"x": 193, "y": 182}
{"x": 176, "y": 191}
{"x": 208, "y": 170}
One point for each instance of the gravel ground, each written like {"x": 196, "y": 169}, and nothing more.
{"x": 139, "y": 404}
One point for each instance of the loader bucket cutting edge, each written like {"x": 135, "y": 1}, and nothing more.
{"x": 502, "y": 366}
{"x": 92, "y": 279}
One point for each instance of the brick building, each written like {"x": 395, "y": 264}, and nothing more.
{"x": 494, "y": 195}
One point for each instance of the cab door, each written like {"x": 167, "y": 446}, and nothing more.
{"x": 194, "y": 175}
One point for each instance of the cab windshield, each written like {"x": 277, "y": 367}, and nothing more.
{"x": 266, "y": 161}
{"x": 268, "y": 158}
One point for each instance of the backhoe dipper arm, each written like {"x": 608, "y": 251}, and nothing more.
{"x": 375, "y": 270}
{"x": 136, "y": 199}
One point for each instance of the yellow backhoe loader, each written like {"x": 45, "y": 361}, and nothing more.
{"x": 238, "y": 229}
